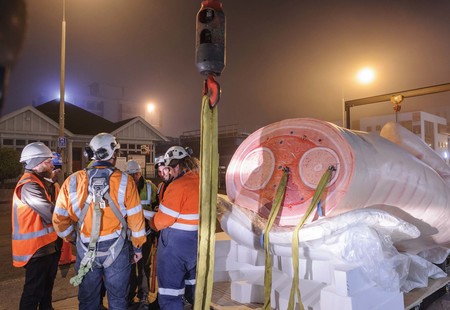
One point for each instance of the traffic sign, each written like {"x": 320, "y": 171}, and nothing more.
{"x": 62, "y": 142}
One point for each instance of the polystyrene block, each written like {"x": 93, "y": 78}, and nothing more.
{"x": 251, "y": 274}
{"x": 350, "y": 280}
{"x": 222, "y": 248}
{"x": 369, "y": 299}
{"x": 317, "y": 270}
{"x": 250, "y": 256}
{"x": 221, "y": 276}
{"x": 244, "y": 292}
{"x": 220, "y": 263}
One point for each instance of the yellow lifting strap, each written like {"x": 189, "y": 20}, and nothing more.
{"x": 271, "y": 219}
{"x": 209, "y": 169}
{"x": 295, "y": 291}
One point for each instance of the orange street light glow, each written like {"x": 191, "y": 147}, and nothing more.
{"x": 366, "y": 75}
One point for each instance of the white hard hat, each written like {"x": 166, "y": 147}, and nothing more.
{"x": 159, "y": 161}
{"x": 132, "y": 167}
{"x": 175, "y": 152}
{"x": 103, "y": 146}
{"x": 35, "y": 150}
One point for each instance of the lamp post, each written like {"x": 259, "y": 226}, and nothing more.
{"x": 62, "y": 139}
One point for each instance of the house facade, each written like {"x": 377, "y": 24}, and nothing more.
{"x": 41, "y": 123}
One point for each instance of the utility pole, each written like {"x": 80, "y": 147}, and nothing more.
{"x": 62, "y": 139}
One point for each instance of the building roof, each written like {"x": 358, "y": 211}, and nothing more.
{"x": 78, "y": 120}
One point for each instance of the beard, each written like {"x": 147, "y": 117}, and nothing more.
{"x": 43, "y": 171}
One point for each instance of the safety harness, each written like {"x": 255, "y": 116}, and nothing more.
{"x": 98, "y": 195}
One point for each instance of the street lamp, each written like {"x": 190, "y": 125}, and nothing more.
{"x": 62, "y": 138}
{"x": 150, "y": 107}
{"x": 149, "y": 112}
{"x": 364, "y": 76}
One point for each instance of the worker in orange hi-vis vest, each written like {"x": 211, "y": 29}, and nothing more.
{"x": 97, "y": 206}
{"x": 34, "y": 241}
{"x": 177, "y": 222}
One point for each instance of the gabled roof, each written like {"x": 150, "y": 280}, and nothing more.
{"x": 77, "y": 120}
{"x": 81, "y": 122}
{"x": 139, "y": 127}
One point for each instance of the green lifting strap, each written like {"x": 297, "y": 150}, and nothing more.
{"x": 87, "y": 262}
{"x": 295, "y": 291}
{"x": 279, "y": 196}
{"x": 209, "y": 169}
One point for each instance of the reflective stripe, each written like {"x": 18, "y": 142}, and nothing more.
{"x": 137, "y": 234}
{"x": 149, "y": 195}
{"x": 194, "y": 216}
{"x": 190, "y": 282}
{"x": 66, "y": 232}
{"x": 73, "y": 197}
{"x": 36, "y": 234}
{"x": 170, "y": 291}
{"x": 110, "y": 236}
{"x": 61, "y": 211}
{"x": 184, "y": 227}
{"x": 134, "y": 210}
{"x": 121, "y": 193}
{"x": 21, "y": 258}
{"x": 168, "y": 211}
{"x": 16, "y": 219}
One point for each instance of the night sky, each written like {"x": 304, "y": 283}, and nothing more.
{"x": 284, "y": 59}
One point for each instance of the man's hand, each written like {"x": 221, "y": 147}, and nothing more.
{"x": 136, "y": 257}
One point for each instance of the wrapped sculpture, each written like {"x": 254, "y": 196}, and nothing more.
{"x": 371, "y": 171}
{"x": 389, "y": 187}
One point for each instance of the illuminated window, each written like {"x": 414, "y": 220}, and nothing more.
{"x": 429, "y": 133}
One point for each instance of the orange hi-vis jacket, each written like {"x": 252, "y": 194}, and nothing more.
{"x": 161, "y": 190}
{"x": 179, "y": 207}
{"x": 29, "y": 232}
{"x": 71, "y": 200}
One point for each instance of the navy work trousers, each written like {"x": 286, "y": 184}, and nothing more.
{"x": 40, "y": 273}
{"x": 176, "y": 261}
{"x": 116, "y": 279}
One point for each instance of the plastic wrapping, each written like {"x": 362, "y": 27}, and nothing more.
{"x": 363, "y": 238}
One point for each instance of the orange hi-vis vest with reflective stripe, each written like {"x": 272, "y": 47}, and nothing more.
{"x": 179, "y": 207}
{"x": 73, "y": 196}
{"x": 29, "y": 232}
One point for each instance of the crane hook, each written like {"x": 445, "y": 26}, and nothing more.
{"x": 211, "y": 88}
